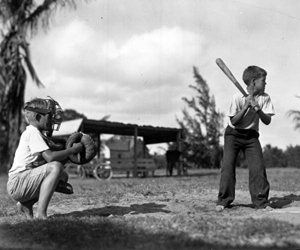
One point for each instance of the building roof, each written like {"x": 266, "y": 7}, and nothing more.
{"x": 68, "y": 127}
{"x": 150, "y": 134}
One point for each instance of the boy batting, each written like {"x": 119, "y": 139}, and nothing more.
{"x": 242, "y": 134}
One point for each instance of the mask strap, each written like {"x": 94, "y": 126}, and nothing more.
{"x": 38, "y": 110}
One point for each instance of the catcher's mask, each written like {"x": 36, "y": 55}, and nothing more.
{"x": 51, "y": 109}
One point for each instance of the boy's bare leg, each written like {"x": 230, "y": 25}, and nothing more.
{"x": 48, "y": 186}
{"x": 64, "y": 176}
{"x": 27, "y": 208}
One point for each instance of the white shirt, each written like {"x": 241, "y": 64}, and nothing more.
{"x": 250, "y": 119}
{"x": 30, "y": 147}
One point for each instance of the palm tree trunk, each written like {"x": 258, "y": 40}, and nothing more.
{"x": 13, "y": 81}
{"x": 9, "y": 139}
{"x": 18, "y": 19}
{"x": 3, "y": 145}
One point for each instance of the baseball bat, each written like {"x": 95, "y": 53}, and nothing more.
{"x": 228, "y": 73}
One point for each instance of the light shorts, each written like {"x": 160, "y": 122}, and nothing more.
{"x": 25, "y": 186}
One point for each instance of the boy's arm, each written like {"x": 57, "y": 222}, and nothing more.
{"x": 240, "y": 114}
{"x": 265, "y": 118}
{"x": 61, "y": 155}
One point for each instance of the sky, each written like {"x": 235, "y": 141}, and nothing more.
{"x": 134, "y": 59}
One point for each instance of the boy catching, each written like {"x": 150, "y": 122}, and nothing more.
{"x": 242, "y": 134}
{"x": 37, "y": 170}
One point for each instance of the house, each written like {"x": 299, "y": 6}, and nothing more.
{"x": 123, "y": 147}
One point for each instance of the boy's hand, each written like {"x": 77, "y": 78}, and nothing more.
{"x": 254, "y": 105}
{"x": 78, "y": 146}
{"x": 85, "y": 146}
{"x": 248, "y": 101}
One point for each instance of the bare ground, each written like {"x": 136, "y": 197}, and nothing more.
{"x": 193, "y": 204}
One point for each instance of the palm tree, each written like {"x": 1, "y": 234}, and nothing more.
{"x": 19, "y": 21}
{"x": 296, "y": 117}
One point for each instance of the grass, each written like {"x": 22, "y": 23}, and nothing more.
{"x": 153, "y": 213}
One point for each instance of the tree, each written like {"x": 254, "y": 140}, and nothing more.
{"x": 274, "y": 157}
{"x": 293, "y": 156}
{"x": 202, "y": 127}
{"x": 296, "y": 117}
{"x": 71, "y": 114}
{"x": 19, "y": 20}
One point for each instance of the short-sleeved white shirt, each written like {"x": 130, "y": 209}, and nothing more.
{"x": 251, "y": 118}
{"x": 30, "y": 147}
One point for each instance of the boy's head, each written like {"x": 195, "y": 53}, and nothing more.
{"x": 252, "y": 73}
{"x": 45, "y": 112}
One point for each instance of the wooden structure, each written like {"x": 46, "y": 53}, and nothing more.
{"x": 122, "y": 146}
{"x": 144, "y": 166}
{"x": 150, "y": 134}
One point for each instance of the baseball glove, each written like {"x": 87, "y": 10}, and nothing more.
{"x": 89, "y": 148}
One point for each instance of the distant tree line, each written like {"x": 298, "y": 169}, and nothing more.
{"x": 275, "y": 157}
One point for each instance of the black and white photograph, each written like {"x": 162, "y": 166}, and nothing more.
{"x": 149, "y": 124}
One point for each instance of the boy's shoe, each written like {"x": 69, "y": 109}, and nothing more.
{"x": 268, "y": 209}
{"x": 220, "y": 208}
{"x": 64, "y": 187}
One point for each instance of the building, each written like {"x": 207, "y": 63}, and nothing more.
{"x": 123, "y": 147}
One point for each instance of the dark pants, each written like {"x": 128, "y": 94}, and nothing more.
{"x": 247, "y": 141}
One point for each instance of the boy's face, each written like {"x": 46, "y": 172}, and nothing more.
{"x": 260, "y": 84}
{"x": 45, "y": 122}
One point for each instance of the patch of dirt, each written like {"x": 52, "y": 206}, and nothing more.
{"x": 167, "y": 205}
{"x": 186, "y": 204}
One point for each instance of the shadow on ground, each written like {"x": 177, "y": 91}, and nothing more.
{"x": 193, "y": 175}
{"x": 91, "y": 233}
{"x": 275, "y": 202}
{"x": 190, "y": 174}
{"x": 95, "y": 229}
{"x": 96, "y": 232}
{"x": 145, "y": 208}
{"x": 280, "y": 202}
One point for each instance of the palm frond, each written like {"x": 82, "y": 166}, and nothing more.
{"x": 295, "y": 114}
{"x": 43, "y": 14}
{"x": 105, "y": 118}
{"x": 29, "y": 65}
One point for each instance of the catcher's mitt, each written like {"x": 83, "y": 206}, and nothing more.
{"x": 89, "y": 148}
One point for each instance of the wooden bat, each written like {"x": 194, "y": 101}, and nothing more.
{"x": 228, "y": 73}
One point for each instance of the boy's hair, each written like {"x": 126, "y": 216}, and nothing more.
{"x": 33, "y": 107}
{"x": 38, "y": 105}
{"x": 253, "y": 72}
{"x": 48, "y": 107}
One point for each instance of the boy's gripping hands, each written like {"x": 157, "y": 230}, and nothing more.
{"x": 62, "y": 155}
{"x": 89, "y": 148}
{"x": 77, "y": 148}
{"x": 254, "y": 105}
{"x": 249, "y": 102}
